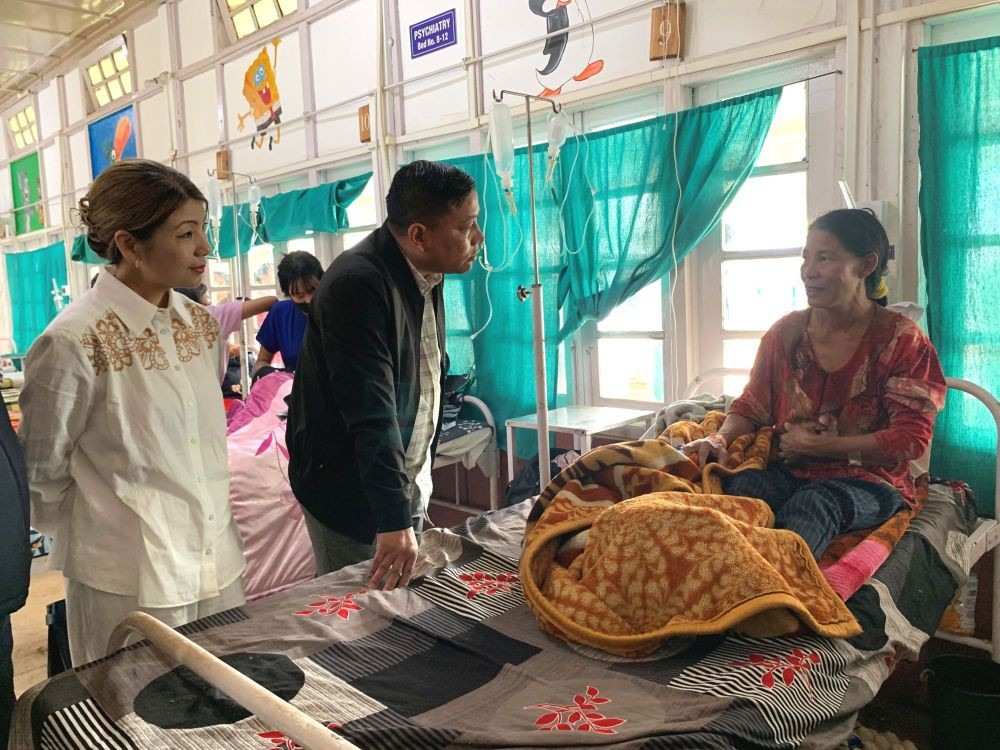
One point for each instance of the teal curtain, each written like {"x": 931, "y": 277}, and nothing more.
{"x": 289, "y": 215}
{"x": 83, "y": 253}
{"x": 604, "y": 230}
{"x": 30, "y": 279}
{"x": 501, "y": 355}
{"x": 621, "y": 198}
{"x": 959, "y": 107}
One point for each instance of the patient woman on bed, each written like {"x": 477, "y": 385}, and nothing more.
{"x": 851, "y": 388}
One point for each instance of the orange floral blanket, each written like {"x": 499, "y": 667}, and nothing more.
{"x": 633, "y": 544}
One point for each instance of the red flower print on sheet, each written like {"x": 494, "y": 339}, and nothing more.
{"x": 581, "y": 716}
{"x": 281, "y": 742}
{"x": 341, "y": 606}
{"x": 798, "y": 662}
{"x": 488, "y": 583}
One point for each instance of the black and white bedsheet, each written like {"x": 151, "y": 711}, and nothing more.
{"x": 457, "y": 661}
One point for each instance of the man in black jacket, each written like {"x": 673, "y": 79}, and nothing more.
{"x": 15, "y": 558}
{"x": 365, "y": 409}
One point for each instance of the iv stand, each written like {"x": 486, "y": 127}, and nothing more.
{"x": 241, "y": 285}
{"x": 537, "y": 310}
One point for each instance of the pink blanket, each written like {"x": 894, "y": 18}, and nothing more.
{"x": 270, "y": 520}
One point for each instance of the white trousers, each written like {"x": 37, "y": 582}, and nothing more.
{"x": 92, "y": 615}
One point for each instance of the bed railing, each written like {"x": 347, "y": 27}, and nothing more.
{"x": 986, "y": 535}
{"x": 269, "y": 708}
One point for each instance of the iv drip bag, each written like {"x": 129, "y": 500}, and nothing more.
{"x": 502, "y": 140}
{"x": 558, "y": 126}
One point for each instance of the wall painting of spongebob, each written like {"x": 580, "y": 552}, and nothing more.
{"x": 260, "y": 89}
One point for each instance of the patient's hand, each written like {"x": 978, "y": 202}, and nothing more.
{"x": 703, "y": 449}
{"x": 395, "y": 556}
{"x": 797, "y": 443}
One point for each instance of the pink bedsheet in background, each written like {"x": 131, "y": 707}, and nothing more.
{"x": 270, "y": 520}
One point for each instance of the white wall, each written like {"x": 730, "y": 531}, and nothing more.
{"x": 439, "y": 115}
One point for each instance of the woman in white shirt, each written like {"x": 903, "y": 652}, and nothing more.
{"x": 123, "y": 423}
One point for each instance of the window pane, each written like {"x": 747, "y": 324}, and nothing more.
{"x": 786, "y": 140}
{"x": 244, "y": 24}
{"x": 739, "y": 353}
{"x": 219, "y": 298}
{"x": 643, "y": 311}
{"x": 267, "y": 12}
{"x": 261, "y": 260}
{"x": 769, "y": 213}
{"x": 95, "y": 74}
{"x": 30, "y": 112}
{"x": 126, "y": 80}
{"x": 115, "y": 88}
{"x": 733, "y": 385}
{"x": 19, "y": 140}
{"x": 220, "y": 274}
{"x": 14, "y": 124}
{"x": 361, "y": 213}
{"x": 234, "y": 4}
{"x": 121, "y": 58}
{"x": 631, "y": 369}
{"x": 107, "y": 67}
{"x": 22, "y": 119}
{"x": 287, "y": 6}
{"x": 755, "y": 293}
{"x": 353, "y": 238}
{"x": 102, "y": 96}
{"x": 308, "y": 244}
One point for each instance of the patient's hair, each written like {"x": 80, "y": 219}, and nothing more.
{"x": 299, "y": 272}
{"x": 860, "y": 233}
{"x": 136, "y": 195}
{"x": 423, "y": 192}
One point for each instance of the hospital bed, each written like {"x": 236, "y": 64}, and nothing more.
{"x": 457, "y": 661}
{"x": 469, "y": 443}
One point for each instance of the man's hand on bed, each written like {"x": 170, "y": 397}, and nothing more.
{"x": 395, "y": 556}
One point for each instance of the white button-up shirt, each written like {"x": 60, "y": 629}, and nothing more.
{"x": 125, "y": 436}
{"x": 419, "y": 460}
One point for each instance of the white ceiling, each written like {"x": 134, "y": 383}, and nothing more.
{"x": 36, "y": 36}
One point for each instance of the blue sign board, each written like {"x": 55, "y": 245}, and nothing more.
{"x": 433, "y": 34}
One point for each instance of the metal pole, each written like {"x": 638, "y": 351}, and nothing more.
{"x": 538, "y": 330}
{"x": 240, "y": 285}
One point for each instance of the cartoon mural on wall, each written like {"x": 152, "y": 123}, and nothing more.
{"x": 112, "y": 138}
{"x": 26, "y": 186}
{"x": 570, "y": 57}
{"x": 260, "y": 89}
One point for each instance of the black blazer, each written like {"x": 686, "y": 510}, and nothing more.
{"x": 356, "y": 391}
{"x": 15, "y": 550}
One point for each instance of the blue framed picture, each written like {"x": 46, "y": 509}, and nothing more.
{"x": 112, "y": 138}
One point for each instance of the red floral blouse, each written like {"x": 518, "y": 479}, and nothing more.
{"x": 892, "y": 386}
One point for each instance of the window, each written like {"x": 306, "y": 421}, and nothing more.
{"x": 23, "y": 128}
{"x": 246, "y": 17}
{"x": 762, "y": 234}
{"x": 361, "y": 216}
{"x": 108, "y": 76}
{"x": 743, "y": 277}
{"x": 630, "y": 349}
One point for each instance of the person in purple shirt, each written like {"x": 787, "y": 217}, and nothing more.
{"x": 282, "y": 330}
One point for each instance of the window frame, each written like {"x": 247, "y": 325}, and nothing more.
{"x": 227, "y": 15}
{"x": 120, "y": 41}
